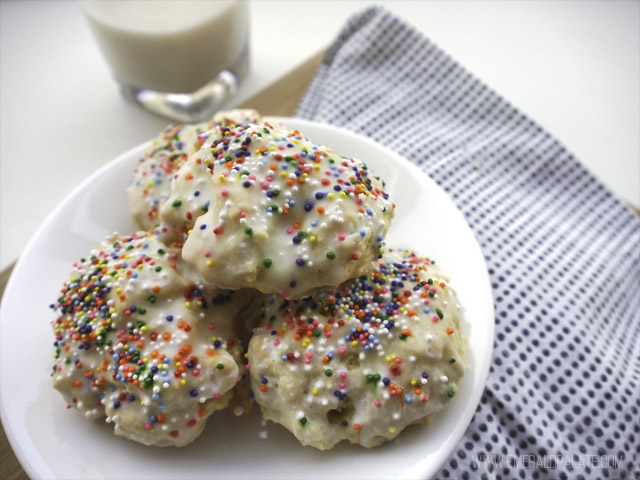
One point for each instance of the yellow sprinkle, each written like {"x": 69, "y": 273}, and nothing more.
{"x": 140, "y": 267}
{"x": 313, "y": 239}
{"x": 214, "y": 339}
{"x": 354, "y": 343}
{"x": 314, "y": 391}
{"x": 343, "y": 194}
{"x": 392, "y": 430}
{"x": 187, "y": 304}
{"x": 306, "y": 342}
{"x": 210, "y": 263}
{"x": 143, "y": 328}
{"x": 414, "y": 382}
{"x": 331, "y": 196}
{"x": 316, "y": 166}
{"x": 183, "y": 381}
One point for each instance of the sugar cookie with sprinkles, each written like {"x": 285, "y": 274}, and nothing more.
{"x": 150, "y": 184}
{"x": 267, "y": 208}
{"x": 364, "y": 360}
{"x": 140, "y": 341}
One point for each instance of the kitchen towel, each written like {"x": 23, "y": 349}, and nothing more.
{"x": 563, "y": 394}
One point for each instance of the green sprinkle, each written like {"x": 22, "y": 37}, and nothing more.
{"x": 331, "y": 255}
{"x": 303, "y": 421}
{"x": 176, "y": 203}
{"x": 249, "y": 231}
{"x": 451, "y": 392}
{"x": 267, "y": 262}
{"x": 220, "y": 366}
{"x": 439, "y": 312}
{"x": 328, "y": 372}
{"x": 151, "y": 299}
{"x": 452, "y": 360}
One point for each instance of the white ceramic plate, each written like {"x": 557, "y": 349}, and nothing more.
{"x": 52, "y": 441}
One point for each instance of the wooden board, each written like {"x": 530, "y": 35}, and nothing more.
{"x": 281, "y": 98}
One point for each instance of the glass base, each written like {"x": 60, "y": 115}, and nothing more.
{"x": 198, "y": 106}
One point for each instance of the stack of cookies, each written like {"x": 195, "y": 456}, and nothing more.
{"x": 259, "y": 275}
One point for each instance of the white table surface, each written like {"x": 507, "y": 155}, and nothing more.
{"x": 574, "y": 67}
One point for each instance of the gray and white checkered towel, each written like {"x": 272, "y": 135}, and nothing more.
{"x": 563, "y": 394}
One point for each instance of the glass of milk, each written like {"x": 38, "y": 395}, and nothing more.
{"x": 176, "y": 58}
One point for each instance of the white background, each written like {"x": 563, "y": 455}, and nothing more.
{"x": 573, "y": 67}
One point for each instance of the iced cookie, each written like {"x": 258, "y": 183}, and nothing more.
{"x": 269, "y": 209}
{"x": 140, "y": 341}
{"x": 362, "y": 361}
{"x": 150, "y": 184}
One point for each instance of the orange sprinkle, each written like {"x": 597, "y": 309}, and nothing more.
{"x": 263, "y": 388}
{"x": 155, "y": 289}
{"x": 449, "y": 330}
{"x": 320, "y": 210}
{"x": 357, "y": 426}
{"x": 166, "y": 336}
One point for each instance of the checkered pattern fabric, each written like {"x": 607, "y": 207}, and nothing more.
{"x": 562, "y": 251}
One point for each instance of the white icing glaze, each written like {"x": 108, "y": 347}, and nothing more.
{"x": 151, "y": 181}
{"x": 138, "y": 340}
{"x": 364, "y": 360}
{"x": 268, "y": 209}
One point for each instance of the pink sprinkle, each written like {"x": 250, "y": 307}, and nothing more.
{"x": 342, "y": 351}
{"x": 243, "y": 214}
{"x": 212, "y": 326}
{"x": 341, "y": 237}
{"x": 148, "y": 426}
{"x": 342, "y": 385}
{"x": 196, "y": 372}
{"x": 207, "y": 253}
{"x": 224, "y": 192}
{"x": 343, "y": 375}
{"x": 264, "y": 185}
{"x": 173, "y": 255}
{"x": 425, "y": 398}
{"x": 377, "y": 403}
{"x": 435, "y": 318}
{"x": 289, "y": 230}
{"x": 276, "y": 342}
{"x": 216, "y": 396}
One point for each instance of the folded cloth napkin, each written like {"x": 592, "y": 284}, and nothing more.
{"x": 563, "y": 395}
